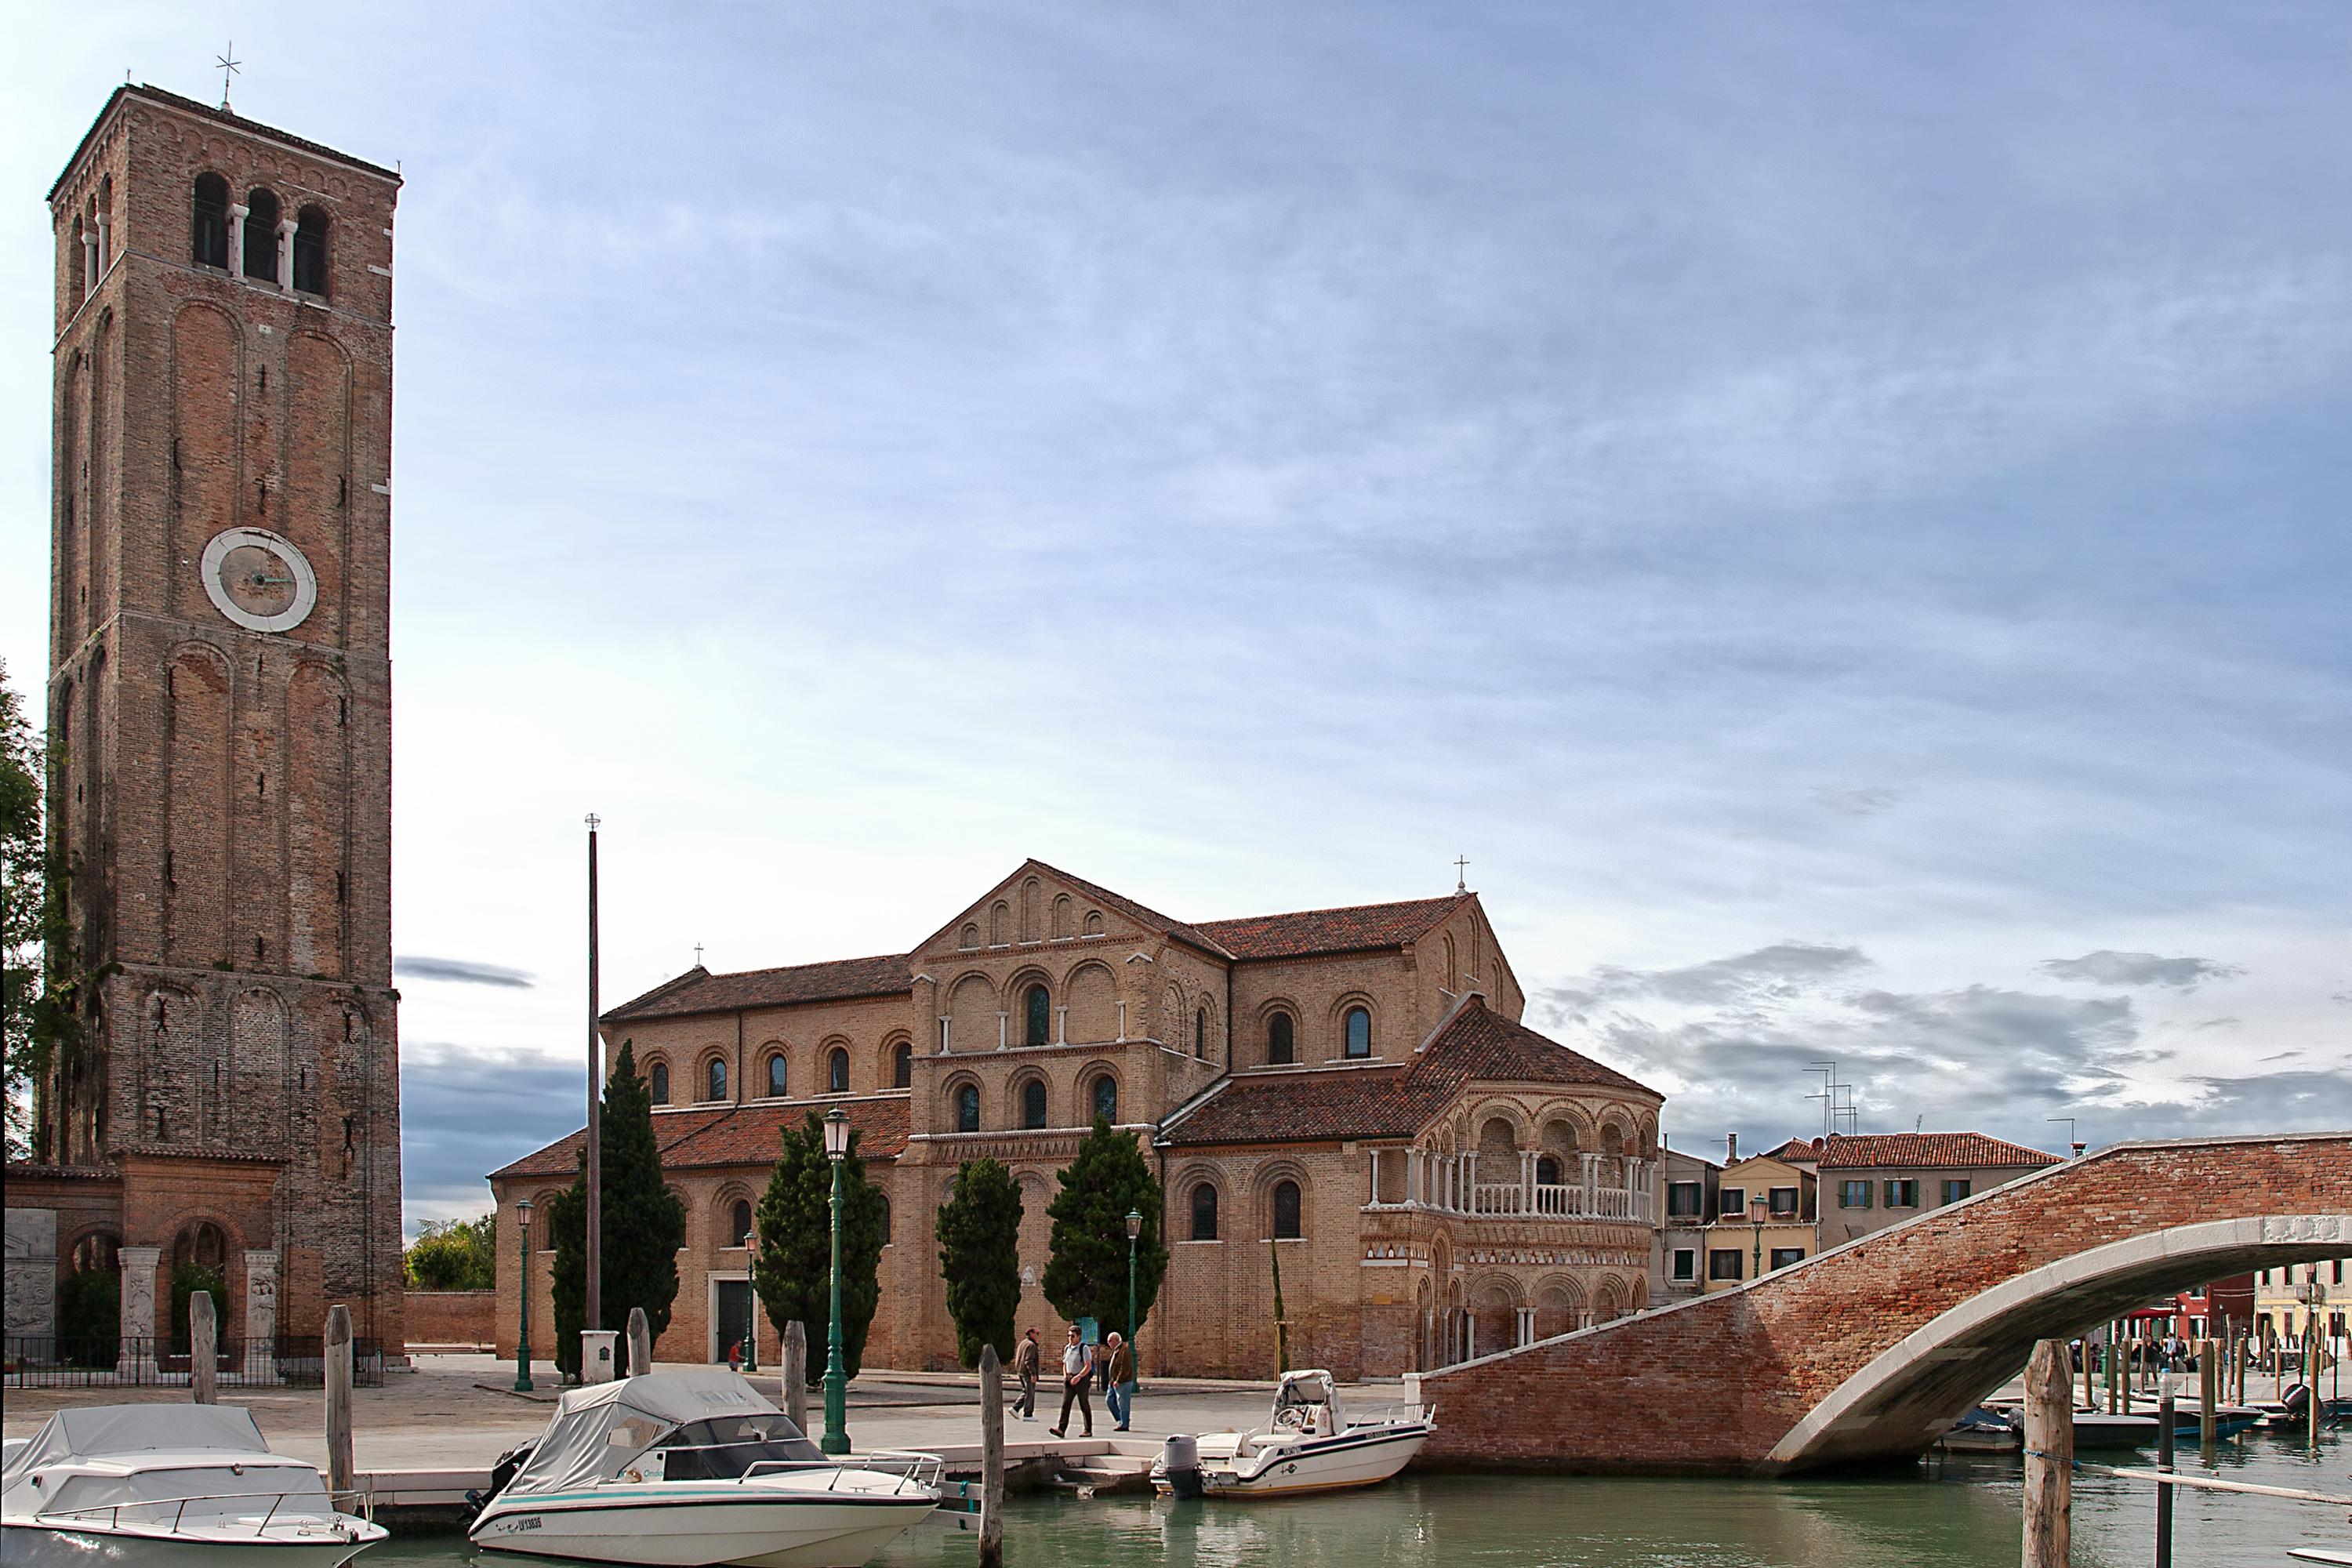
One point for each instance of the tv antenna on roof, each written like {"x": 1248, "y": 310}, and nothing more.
{"x": 1838, "y": 1113}
{"x": 229, "y": 66}
{"x": 2076, "y": 1144}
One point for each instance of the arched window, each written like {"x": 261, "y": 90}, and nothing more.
{"x": 902, "y": 1066}
{"x": 836, "y": 1071}
{"x": 885, "y": 1219}
{"x": 1285, "y": 1211}
{"x": 261, "y": 235}
{"x": 210, "y": 246}
{"x": 970, "y": 937}
{"x": 738, "y": 1223}
{"x": 1201, "y": 1035}
{"x": 1280, "y": 1048}
{"x": 657, "y": 1084}
{"x": 776, "y": 1075}
{"x": 715, "y": 1081}
{"x": 1359, "y": 1032}
{"x": 1546, "y": 1172}
{"x": 1204, "y": 1211}
{"x": 1105, "y": 1097}
{"x": 310, "y": 251}
{"x": 1033, "y": 1103}
{"x": 1039, "y": 1006}
{"x": 967, "y": 1107}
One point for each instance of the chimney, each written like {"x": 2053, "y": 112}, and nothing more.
{"x": 1731, "y": 1147}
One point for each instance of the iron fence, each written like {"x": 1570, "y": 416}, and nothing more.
{"x": 110, "y": 1361}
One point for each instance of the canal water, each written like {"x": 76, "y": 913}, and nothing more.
{"x": 1961, "y": 1514}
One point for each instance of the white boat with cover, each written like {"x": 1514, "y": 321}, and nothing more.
{"x": 167, "y": 1486}
{"x": 1307, "y": 1444}
{"x": 686, "y": 1469}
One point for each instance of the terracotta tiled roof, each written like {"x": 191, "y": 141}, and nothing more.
{"x": 707, "y": 1136}
{"x": 836, "y": 980}
{"x": 1356, "y": 928}
{"x": 1392, "y": 1100}
{"x": 1858, "y": 1150}
{"x": 1802, "y": 1151}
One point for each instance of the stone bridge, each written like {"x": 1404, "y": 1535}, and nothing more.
{"x": 1871, "y": 1350}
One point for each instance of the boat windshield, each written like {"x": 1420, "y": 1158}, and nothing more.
{"x": 727, "y": 1446}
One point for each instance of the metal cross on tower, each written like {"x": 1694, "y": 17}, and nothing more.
{"x": 698, "y": 955}
{"x": 228, "y": 66}
{"x": 1461, "y": 874}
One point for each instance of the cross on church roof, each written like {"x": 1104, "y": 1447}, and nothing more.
{"x": 698, "y": 955}
{"x": 1461, "y": 874}
{"x": 228, "y": 66}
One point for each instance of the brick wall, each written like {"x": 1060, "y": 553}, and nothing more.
{"x": 452, "y": 1317}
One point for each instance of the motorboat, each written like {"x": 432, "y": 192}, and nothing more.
{"x": 1984, "y": 1430}
{"x": 2292, "y": 1411}
{"x": 2228, "y": 1420}
{"x": 692, "y": 1469}
{"x": 168, "y": 1486}
{"x": 1307, "y": 1444}
{"x": 2098, "y": 1429}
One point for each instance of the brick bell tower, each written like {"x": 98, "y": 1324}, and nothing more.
{"x": 220, "y": 706}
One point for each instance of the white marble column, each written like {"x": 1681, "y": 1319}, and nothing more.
{"x": 105, "y": 249}
{"x": 88, "y": 262}
{"x": 286, "y": 254}
{"x": 260, "y": 1327}
{"x": 237, "y": 214}
{"x": 136, "y": 1359}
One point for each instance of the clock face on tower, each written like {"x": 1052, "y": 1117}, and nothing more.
{"x": 258, "y": 580}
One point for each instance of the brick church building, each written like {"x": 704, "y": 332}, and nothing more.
{"x": 1351, "y": 1088}
{"x": 219, "y": 712}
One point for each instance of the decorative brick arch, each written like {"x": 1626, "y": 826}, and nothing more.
{"x": 1870, "y": 1349}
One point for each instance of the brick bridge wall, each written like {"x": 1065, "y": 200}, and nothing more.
{"x": 1714, "y": 1384}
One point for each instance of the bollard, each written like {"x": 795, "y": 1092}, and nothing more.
{"x": 2114, "y": 1380}
{"x": 338, "y": 1399}
{"x": 2164, "y": 1418}
{"x": 2049, "y": 1457}
{"x": 2312, "y": 1401}
{"x": 796, "y": 1375}
{"x": 2208, "y": 1397}
{"x": 992, "y": 1459}
{"x": 641, "y": 1343}
{"x": 204, "y": 1348}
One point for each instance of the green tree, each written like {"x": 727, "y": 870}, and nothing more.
{"x": 794, "y": 1271}
{"x": 1086, "y": 1275}
{"x": 980, "y": 1258}
{"x": 89, "y": 1318}
{"x": 454, "y": 1254}
{"x": 644, "y": 1224}
{"x": 187, "y": 1280}
{"x": 22, "y": 899}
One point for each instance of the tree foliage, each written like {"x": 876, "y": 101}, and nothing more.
{"x": 187, "y": 1280}
{"x": 979, "y": 1258}
{"x": 454, "y": 1254}
{"x": 89, "y": 1318}
{"x": 1086, "y": 1277}
{"x": 644, "y": 1224}
{"x": 21, "y": 900}
{"x": 794, "y": 1268}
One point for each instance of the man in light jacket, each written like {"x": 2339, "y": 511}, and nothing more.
{"x": 1077, "y": 1372}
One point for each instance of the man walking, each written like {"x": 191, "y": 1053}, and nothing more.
{"x": 1120, "y": 1397}
{"x": 1025, "y": 1362}
{"x": 1077, "y": 1372}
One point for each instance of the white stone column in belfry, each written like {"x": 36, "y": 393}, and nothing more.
{"x": 286, "y": 254}
{"x": 136, "y": 1358}
{"x": 237, "y": 214}
{"x": 89, "y": 262}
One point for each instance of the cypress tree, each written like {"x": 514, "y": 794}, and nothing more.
{"x": 644, "y": 1227}
{"x": 794, "y": 1271}
{"x": 1086, "y": 1274}
{"x": 979, "y": 1258}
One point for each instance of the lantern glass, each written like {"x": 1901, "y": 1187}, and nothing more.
{"x": 1759, "y": 1209}
{"x": 522, "y": 1211}
{"x": 1134, "y": 1225}
{"x": 836, "y": 1133}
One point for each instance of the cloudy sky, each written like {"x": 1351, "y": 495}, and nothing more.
{"x": 1838, "y": 512}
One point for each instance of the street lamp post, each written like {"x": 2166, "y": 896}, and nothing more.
{"x": 1759, "y": 1209}
{"x": 1134, "y": 1357}
{"x": 836, "y": 1150}
{"x": 522, "y": 1341}
{"x": 752, "y": 1289}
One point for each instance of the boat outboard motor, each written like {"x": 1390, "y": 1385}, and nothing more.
{"x": 500, "y": 1474}
{"x": 1180, "y": 1461}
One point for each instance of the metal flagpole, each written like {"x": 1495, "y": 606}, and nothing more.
{"x": 595, "y": 1316}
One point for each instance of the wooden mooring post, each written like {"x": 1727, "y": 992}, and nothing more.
{"x": 796, "y": 1375}
{"x": 2208, "y": 1399}
{"x": 992, "y": 1459}
{"x": 2164, "y": 1419}
{"x": 2110, "y": 1353}
{"x": 339, "y": 1398}
{"x": 641, "y": 1343}
{"x": 204, "y": 1348}
{"x": 2049, "y": 1457}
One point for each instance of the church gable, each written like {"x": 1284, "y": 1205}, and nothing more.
{"x": 1041, "y": 903}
